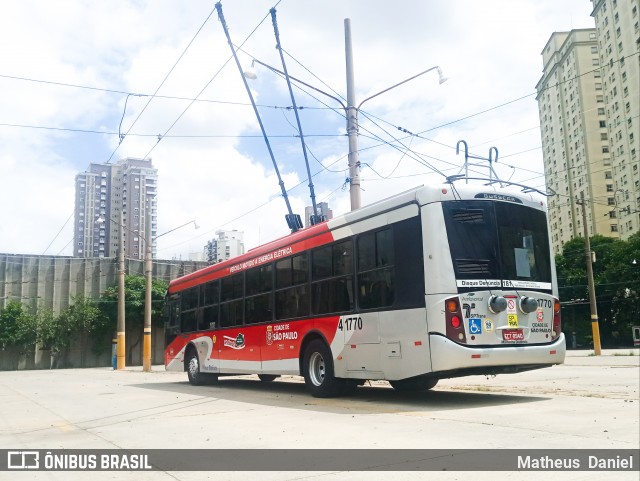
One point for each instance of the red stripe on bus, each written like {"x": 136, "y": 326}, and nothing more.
{"x": 292, "y": 244}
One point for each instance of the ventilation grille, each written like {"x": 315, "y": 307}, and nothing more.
{"x": 478, "y": 268}
{"x": 469, "y": 216}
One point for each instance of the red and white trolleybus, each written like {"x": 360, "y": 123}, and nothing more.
{"x": 432, "y": 283}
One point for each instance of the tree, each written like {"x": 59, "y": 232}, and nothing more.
{"x": 9, "y": 323}
{"x": 623, "y": 283}
{"x": 134, "y": 308}
{"x": 76, "y": 321}
{"x": 17, "y": 326}
{"x": 617, "y": 287}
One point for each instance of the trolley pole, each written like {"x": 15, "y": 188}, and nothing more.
{"x": 120, "y": 349}
{"x": 148, "y": 270}
{"x": 592, "y": 290}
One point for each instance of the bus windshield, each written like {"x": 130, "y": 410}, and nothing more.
{"x": 504, "y": 244}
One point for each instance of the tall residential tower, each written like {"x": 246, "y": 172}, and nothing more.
{"x": 574, "y": 135}
{"x": 112, "y": 204}
{"x": 588, "y": 99}
{"x": 618, "y": 30}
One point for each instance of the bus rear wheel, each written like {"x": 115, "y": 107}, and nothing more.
{"x": 267, "y": 377}
{"x": 317, "y": 369}
{"x": 413, "y": 384}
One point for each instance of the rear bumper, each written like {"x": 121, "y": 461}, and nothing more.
{"x": 447, "y": 355}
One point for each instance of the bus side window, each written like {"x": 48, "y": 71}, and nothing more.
{"x": 332, "y": 278}
{"x": 188, "y": 321}
{"x": 259, "y": 300}
{"x": 189, "y": 308}
{"x": 232, "y": 301}
{"x": 209, "y": 298}
{"x": 376, "y": 272}
{"x": 292, "y": 293}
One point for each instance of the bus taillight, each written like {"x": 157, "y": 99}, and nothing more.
{"x": 455, "y": 327}
{"x": 557, "y": 325}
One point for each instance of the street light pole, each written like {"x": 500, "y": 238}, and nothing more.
{"x": 351, "y": 110}
{"x": 592, "y": 290}
{"x": 120, "y": 347}
{"x": 352, "y": 122}
{"x": 148, "y": 269}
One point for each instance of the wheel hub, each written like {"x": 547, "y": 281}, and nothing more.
{"x": 317, "y": 369}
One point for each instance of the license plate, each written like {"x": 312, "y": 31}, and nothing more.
{"x": 513, "y": 335}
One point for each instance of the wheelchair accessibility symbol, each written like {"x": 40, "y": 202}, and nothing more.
{"x": 475, "y": 325}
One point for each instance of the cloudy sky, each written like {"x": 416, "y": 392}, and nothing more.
{"x": 67, "y": 69}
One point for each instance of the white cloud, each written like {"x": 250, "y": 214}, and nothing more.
{"x": 489, "y": 50}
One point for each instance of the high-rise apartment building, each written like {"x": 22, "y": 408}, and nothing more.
{"x": 114, "y": 203}
{"x": 589, "y": 106}
{"x": 323, "y": 209}
{"x": 618, "y": 32}
{"x": 574, "y": 135}
{"x": 228, "y": 244}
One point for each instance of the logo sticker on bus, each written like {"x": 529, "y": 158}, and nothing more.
{"x": 235, "y": 342}
{"x": 488, "y": 325}
{"x": 269, "y": 335}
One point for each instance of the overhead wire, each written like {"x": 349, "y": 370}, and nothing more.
{"x": 157, "y": 96}
{"x": 56, "y": 236}
{"x": 162, "y": 83}
{"x": 161, "y": 136}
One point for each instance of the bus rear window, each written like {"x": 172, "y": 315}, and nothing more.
{"x": 497, "y": 240}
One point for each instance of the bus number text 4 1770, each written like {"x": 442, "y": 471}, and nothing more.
{"x": 350, "y": 324}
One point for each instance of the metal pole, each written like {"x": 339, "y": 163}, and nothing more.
{"x": 255, "y": 110}
{"x": 314, "y": 216}
{"x": 148, "y": 269}
{"x": 352, "y": 122}
{"x": 120, "y": 349}
{"x": 592, "y": 291}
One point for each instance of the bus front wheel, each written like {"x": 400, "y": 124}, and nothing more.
{"x": 318, "y": 371}
{"x": 267, "y": 377}
{"x": 193, "y": 368}
{"x": 197, "y": 378}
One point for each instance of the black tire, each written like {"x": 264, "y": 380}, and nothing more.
{"x": 413, "y": 384}
{"x": 267, "y": 377}
{"x": 192, "y": 365}
{"x": 197, "y": 378}
{"x": 317, "y": 367}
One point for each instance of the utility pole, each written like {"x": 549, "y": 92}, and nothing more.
{"x": 148, "y": 270}
{"x": 120, "y": 349}
{"x": 592, "y": 290}
{"x": 352, "y": 122}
